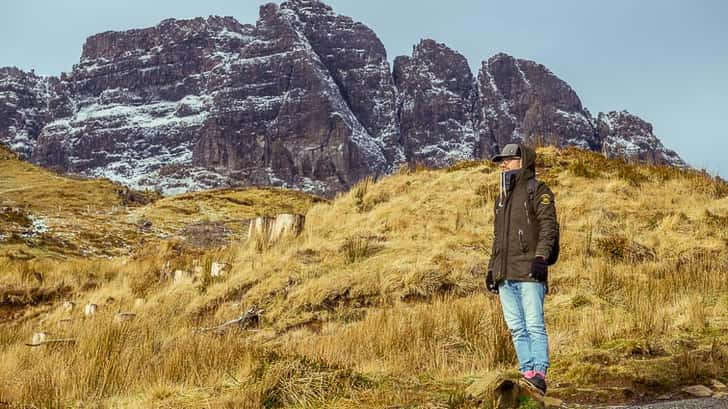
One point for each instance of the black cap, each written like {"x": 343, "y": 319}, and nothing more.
{"x": 511, "y": 150}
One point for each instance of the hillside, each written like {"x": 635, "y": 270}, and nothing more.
{"x": 44, "y": 214}
{"x": 380, "y": 301}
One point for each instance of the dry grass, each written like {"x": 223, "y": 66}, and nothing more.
{"x": 380, "y": 301}
{"x": 90, "y": 217}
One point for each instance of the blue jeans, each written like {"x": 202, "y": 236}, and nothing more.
{"x": 522, "y": 304}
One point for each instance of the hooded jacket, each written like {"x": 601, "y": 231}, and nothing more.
{"x": 522, "y": 230}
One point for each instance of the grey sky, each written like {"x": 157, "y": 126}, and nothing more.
{"x": 664, "y": 60}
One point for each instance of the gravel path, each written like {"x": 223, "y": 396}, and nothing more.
{"x": 709, "y": 403}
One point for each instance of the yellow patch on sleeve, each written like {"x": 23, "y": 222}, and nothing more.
{"x": 545, "y": 199}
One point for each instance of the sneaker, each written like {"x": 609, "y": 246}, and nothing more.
{"x": 536, "y": 382}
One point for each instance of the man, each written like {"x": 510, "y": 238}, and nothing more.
{"x": 525, "y": 242}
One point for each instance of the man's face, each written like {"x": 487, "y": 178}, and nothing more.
{"x": 510, "y": 164}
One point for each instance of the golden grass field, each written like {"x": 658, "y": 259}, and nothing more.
{"x": 380, "y": 302}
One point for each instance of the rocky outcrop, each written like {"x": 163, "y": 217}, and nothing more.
{"x": 27, "y": 103}
{"x": 303, "y": 99}
{"x": 281, "y": 118}
{"x": 140, "y": 102}
{"x": 523, "y": 100}
{"x": 628, "y": 136}
{"x": 357, "y": 62}
{"x": 436, "y": 97}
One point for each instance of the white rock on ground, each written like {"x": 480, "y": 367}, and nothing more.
{"x": 700, "y": 391}
{"x": 39, "y": 338}
{"x": 218, "y": 269}
{"x": 90, "y": 309}
{"x": 180, "y": 275}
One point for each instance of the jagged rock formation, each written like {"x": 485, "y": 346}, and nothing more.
{"x": 628, "y": 136}
{"x": 523, "y": 99}
{"x": 436, "y": 97}
{"x": 303, "y": 99}
{"x": 27, "y": 104}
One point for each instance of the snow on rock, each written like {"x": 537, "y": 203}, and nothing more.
{"x": 26, "y": 103}
{"x": 520, "y": 100}
{"x": 304, "y": 99}
{"x": 628, "y": 136}
{"x": 38, "y": 226}
{"x": 435, "y": 88}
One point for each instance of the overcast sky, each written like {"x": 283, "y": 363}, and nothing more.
{"x": 664, "y": 60}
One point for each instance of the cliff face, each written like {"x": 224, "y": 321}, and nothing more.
{"x": 436, "y": 98}
{"x": 27, "y": 103}
{"x": 628, "y": 136}
{"x": 303, "y": 99}
{"x": 523, "y": 99}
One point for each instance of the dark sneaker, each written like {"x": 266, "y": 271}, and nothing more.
{"x": 536, "y": 382}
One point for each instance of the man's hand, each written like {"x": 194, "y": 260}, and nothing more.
{"x": 539, "y": 269}
{"x": 490, "y": 283}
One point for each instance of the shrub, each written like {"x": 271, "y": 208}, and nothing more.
{"x": 360, "y": 190}
{"x": 356, "y": 248}
{"x": 464, "y": 164}
{"x": 488, "y": 191}
{"x": 580, "y": 169}
{"x": 373, "y": 199}
{"x": 631, "y": 174}
{"x": 614, "y": 246}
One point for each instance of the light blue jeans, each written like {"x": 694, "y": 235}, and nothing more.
{"x": 522, "y": 304}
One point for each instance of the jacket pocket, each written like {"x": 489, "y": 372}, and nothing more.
{"x": 522, "y": 241}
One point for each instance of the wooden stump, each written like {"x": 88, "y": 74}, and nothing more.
{"x": 219, "y": 269}
{"x": 273, "y": 229}
{"x": 90, "y": 309}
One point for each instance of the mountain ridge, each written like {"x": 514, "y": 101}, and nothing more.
{"x": 304, "y": 99}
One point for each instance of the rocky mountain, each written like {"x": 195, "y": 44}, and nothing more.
{"x": 304, "y": 99}
{"x": 436, "y": 99}
{"x": 25, "y": 100}
{"x": 625, "y": 135}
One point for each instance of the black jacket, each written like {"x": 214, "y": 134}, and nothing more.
{"x": 522, "y": 230}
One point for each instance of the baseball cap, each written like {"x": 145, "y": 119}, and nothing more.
{"x": 511, "y": 150}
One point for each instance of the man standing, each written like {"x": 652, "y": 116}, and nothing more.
{"x": 525, "y": 242}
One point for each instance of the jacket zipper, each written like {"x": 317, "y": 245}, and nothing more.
{"x": 524, "y": 249}
{"x": 505, "y": 215}
{"x": 528, "y": 217}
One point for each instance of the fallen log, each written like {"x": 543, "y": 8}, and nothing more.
{"x": 53, "y": 341}
{"x": 249, "y": 319}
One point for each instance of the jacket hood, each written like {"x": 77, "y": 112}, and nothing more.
{"x": 528, "y": 162}
{"x": 528, "y": 158}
